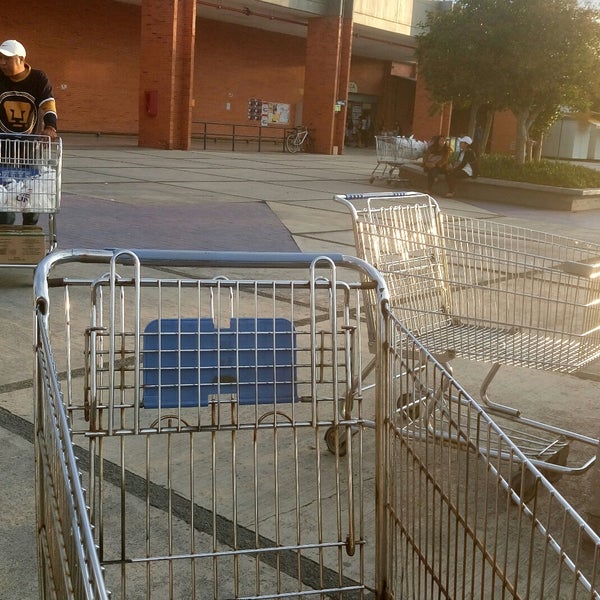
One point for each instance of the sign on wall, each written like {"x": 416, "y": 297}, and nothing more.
{"x": 254, "y": 109}
{"x": 275, "y": 113}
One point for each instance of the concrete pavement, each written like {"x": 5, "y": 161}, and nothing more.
{"x": 116, "y": 194}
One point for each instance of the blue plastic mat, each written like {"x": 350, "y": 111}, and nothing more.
{"x": 189, "y": 361}
{"x": 8, "y": 173}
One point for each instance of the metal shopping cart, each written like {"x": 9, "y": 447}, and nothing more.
{"x": 488, "y": 292}
{"x": 198, "y": 391}
{"x": 452, "y": 513}
{"x": 30, "y": 182}
{"x": 181, "y": 399}
{"x": 393, "y": 152}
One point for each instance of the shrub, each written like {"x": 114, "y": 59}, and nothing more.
{"x": 545, "y": 172}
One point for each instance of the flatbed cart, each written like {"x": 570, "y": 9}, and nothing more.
{"x": 30, "y": 181}
{"x": 392, "y": 152}
{"x": 180, "y": 403}
{"x": 488, "y": 292}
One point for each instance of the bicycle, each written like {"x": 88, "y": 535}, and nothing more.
{"x": 299, "y": 140}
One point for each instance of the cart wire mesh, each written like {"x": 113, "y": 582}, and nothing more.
{"x": 393, "y": 152}
{"x": 490, "y": 292}
{"x": 30, "y": 182}
{"x": 142, "y": 493}
{"x": 30, "y": 173}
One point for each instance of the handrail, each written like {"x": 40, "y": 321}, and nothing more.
{"x": 237, "y": 132}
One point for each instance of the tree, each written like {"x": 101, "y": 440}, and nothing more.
{"x": 528, "y": 56}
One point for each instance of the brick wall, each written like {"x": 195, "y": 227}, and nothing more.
{"x": 504, "y": 133}
{"x": 369, "y": 75}
{"x": 166, "y": 73}
{"x": 260, "y": 65}
{"x": 426, "y": 124}
{"x": 321, "y": 79}
{"x": 89, "y": 49}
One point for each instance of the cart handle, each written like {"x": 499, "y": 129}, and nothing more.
{"x": 197, "y": 258}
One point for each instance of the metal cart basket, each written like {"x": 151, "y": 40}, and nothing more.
{"x": 181, "y": 402}
{"x": 484, "y": 291}
{"x": 452, "y": 513}
{"x": 392, "y": 152}
{"x": 196, "y": 402}
{"x": 30, "y": 182}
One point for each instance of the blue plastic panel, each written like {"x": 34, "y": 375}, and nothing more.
{"x": 9, "y": 173}
{"x": 189, "y": 361}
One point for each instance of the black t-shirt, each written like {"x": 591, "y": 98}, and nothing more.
{"x": 24, "y": 100}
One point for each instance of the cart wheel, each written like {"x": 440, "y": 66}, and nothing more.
{"x": 371, "y": 179}
{"x": 336, "y": 440}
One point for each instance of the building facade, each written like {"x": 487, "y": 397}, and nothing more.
{"x": 156, "y": 68}
{"x": 575, "y": 136}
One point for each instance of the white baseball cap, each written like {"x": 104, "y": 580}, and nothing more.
{"x": 466, "y": 140}
{"x": 13, "y": 48}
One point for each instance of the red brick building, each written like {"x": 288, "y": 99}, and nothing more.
{"x": 156, "y": 67}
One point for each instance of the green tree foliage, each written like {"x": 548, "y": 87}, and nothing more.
{"x": 527, "y": 56}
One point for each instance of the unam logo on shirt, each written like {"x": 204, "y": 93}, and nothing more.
{"x": 17, "y": 112}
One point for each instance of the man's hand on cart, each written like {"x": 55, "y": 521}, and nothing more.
{"x": 50, "y": 132}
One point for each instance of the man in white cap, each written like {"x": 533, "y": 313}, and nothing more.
{"x": 464, "y": 166}
{"x": 27, "y": 103}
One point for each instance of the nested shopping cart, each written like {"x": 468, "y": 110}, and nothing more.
{"x": 489, "y": 292}
{"x": 392, "y": 152}
{"x": 181, "y": 403}
{"x": 30, "y": 182}
{"x": 197, "y": 394}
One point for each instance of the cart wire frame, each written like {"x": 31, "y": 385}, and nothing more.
{"x": 488, "y": 292}
{"x": 31, "y": 180}
{"x": 235, "y": 500}
{"x": 393, "y": 152}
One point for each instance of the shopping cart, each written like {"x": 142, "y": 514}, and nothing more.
{"x": 30, "y": 182}
{"x": 484, "y": 291}
{"x": 393, "y": 152}
{"x": 145, "y": 493}
{"x": 451, "y": 520}
{"x": 199, "y": 388}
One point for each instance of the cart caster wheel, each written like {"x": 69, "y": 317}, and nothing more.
{"x": 558, "y": 458}
{"x": 371, "y": 179}
{"x": 336, "y": 441}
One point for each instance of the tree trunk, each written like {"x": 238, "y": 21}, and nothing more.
{"x": 487, "y": 129}
{"x": 529, "y": 149}
{"x": 537, "y": 150}
{"x": 473, "y": 119}
{"x": 521, "y": 142}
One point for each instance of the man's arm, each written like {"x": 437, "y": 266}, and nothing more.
{"x": 47, "y": 107}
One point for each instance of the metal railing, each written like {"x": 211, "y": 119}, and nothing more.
{"x": 237, "y": 134}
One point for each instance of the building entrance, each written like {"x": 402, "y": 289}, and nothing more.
{"x": 361, "y": 118}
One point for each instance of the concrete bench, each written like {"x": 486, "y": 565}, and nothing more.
{"x": 510, "y": 192}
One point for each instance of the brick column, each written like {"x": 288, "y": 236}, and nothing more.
{"x": 339, "y": 135}
{"x": 425, "y": 124}
{"x": 323, "y": 44}
{"x": 166, "y": 73}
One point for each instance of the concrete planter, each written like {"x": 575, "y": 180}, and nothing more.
{"x": 511, "y": 192}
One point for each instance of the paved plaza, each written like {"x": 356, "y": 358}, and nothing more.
{"x": 118, "y": 195}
